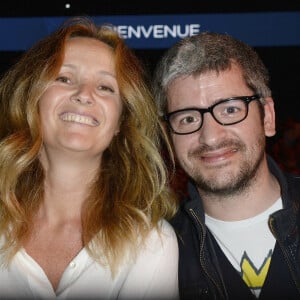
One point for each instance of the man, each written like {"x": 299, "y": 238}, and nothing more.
{"x": 238, "y": 229}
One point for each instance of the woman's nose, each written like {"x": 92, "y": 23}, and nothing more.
{"x": 83, "y": 96}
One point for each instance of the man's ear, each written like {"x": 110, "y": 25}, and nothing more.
{"x": 269, "y": 119}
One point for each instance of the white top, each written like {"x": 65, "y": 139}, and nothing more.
{"x": 154, "y": 275}
{"x": 248, "y": 244}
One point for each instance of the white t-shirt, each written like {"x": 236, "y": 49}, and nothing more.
{"x": 154, "y": 275}
{"x": 248, "y": 245}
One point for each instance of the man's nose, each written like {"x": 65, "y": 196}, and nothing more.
{"x": 211, "y": 130}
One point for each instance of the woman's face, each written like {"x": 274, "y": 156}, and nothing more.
{"x": 80, "y": 110}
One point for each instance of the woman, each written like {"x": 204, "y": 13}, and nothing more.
{"x": 83, "y": 189}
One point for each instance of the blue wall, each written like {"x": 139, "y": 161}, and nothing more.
{"x": 259, "y": 29}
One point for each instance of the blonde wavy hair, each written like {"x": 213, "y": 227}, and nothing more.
{"x": 130, "y": 195}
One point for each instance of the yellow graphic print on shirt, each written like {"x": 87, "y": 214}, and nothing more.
{"x": 252, "y": 276}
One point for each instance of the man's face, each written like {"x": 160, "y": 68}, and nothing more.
{"x": 221, "y": 159}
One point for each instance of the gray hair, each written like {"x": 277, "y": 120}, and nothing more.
{"x": 209, "y": 51}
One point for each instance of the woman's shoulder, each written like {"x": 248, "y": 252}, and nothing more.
{"x": 165, "y": 227}
{"x": 162, "y": 236}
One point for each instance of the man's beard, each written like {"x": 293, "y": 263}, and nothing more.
{"x": 232, "y": 184}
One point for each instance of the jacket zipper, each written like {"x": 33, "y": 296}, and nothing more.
{"x": 203, "y": 231}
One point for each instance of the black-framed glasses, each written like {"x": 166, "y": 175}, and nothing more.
{"x": 226, "y": 112}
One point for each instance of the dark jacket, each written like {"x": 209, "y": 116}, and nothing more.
{"x": 201, "y": 267}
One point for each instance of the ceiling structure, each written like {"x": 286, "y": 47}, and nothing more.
{"x": 15, "y": 8}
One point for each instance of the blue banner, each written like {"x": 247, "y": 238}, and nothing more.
{"x": 161, "y": 31}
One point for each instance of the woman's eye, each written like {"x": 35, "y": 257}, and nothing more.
{"x": 63, "y": 79}
{"x": 106, "y": 88}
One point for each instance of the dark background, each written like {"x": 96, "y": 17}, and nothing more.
{"x": 282, "y": 62}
